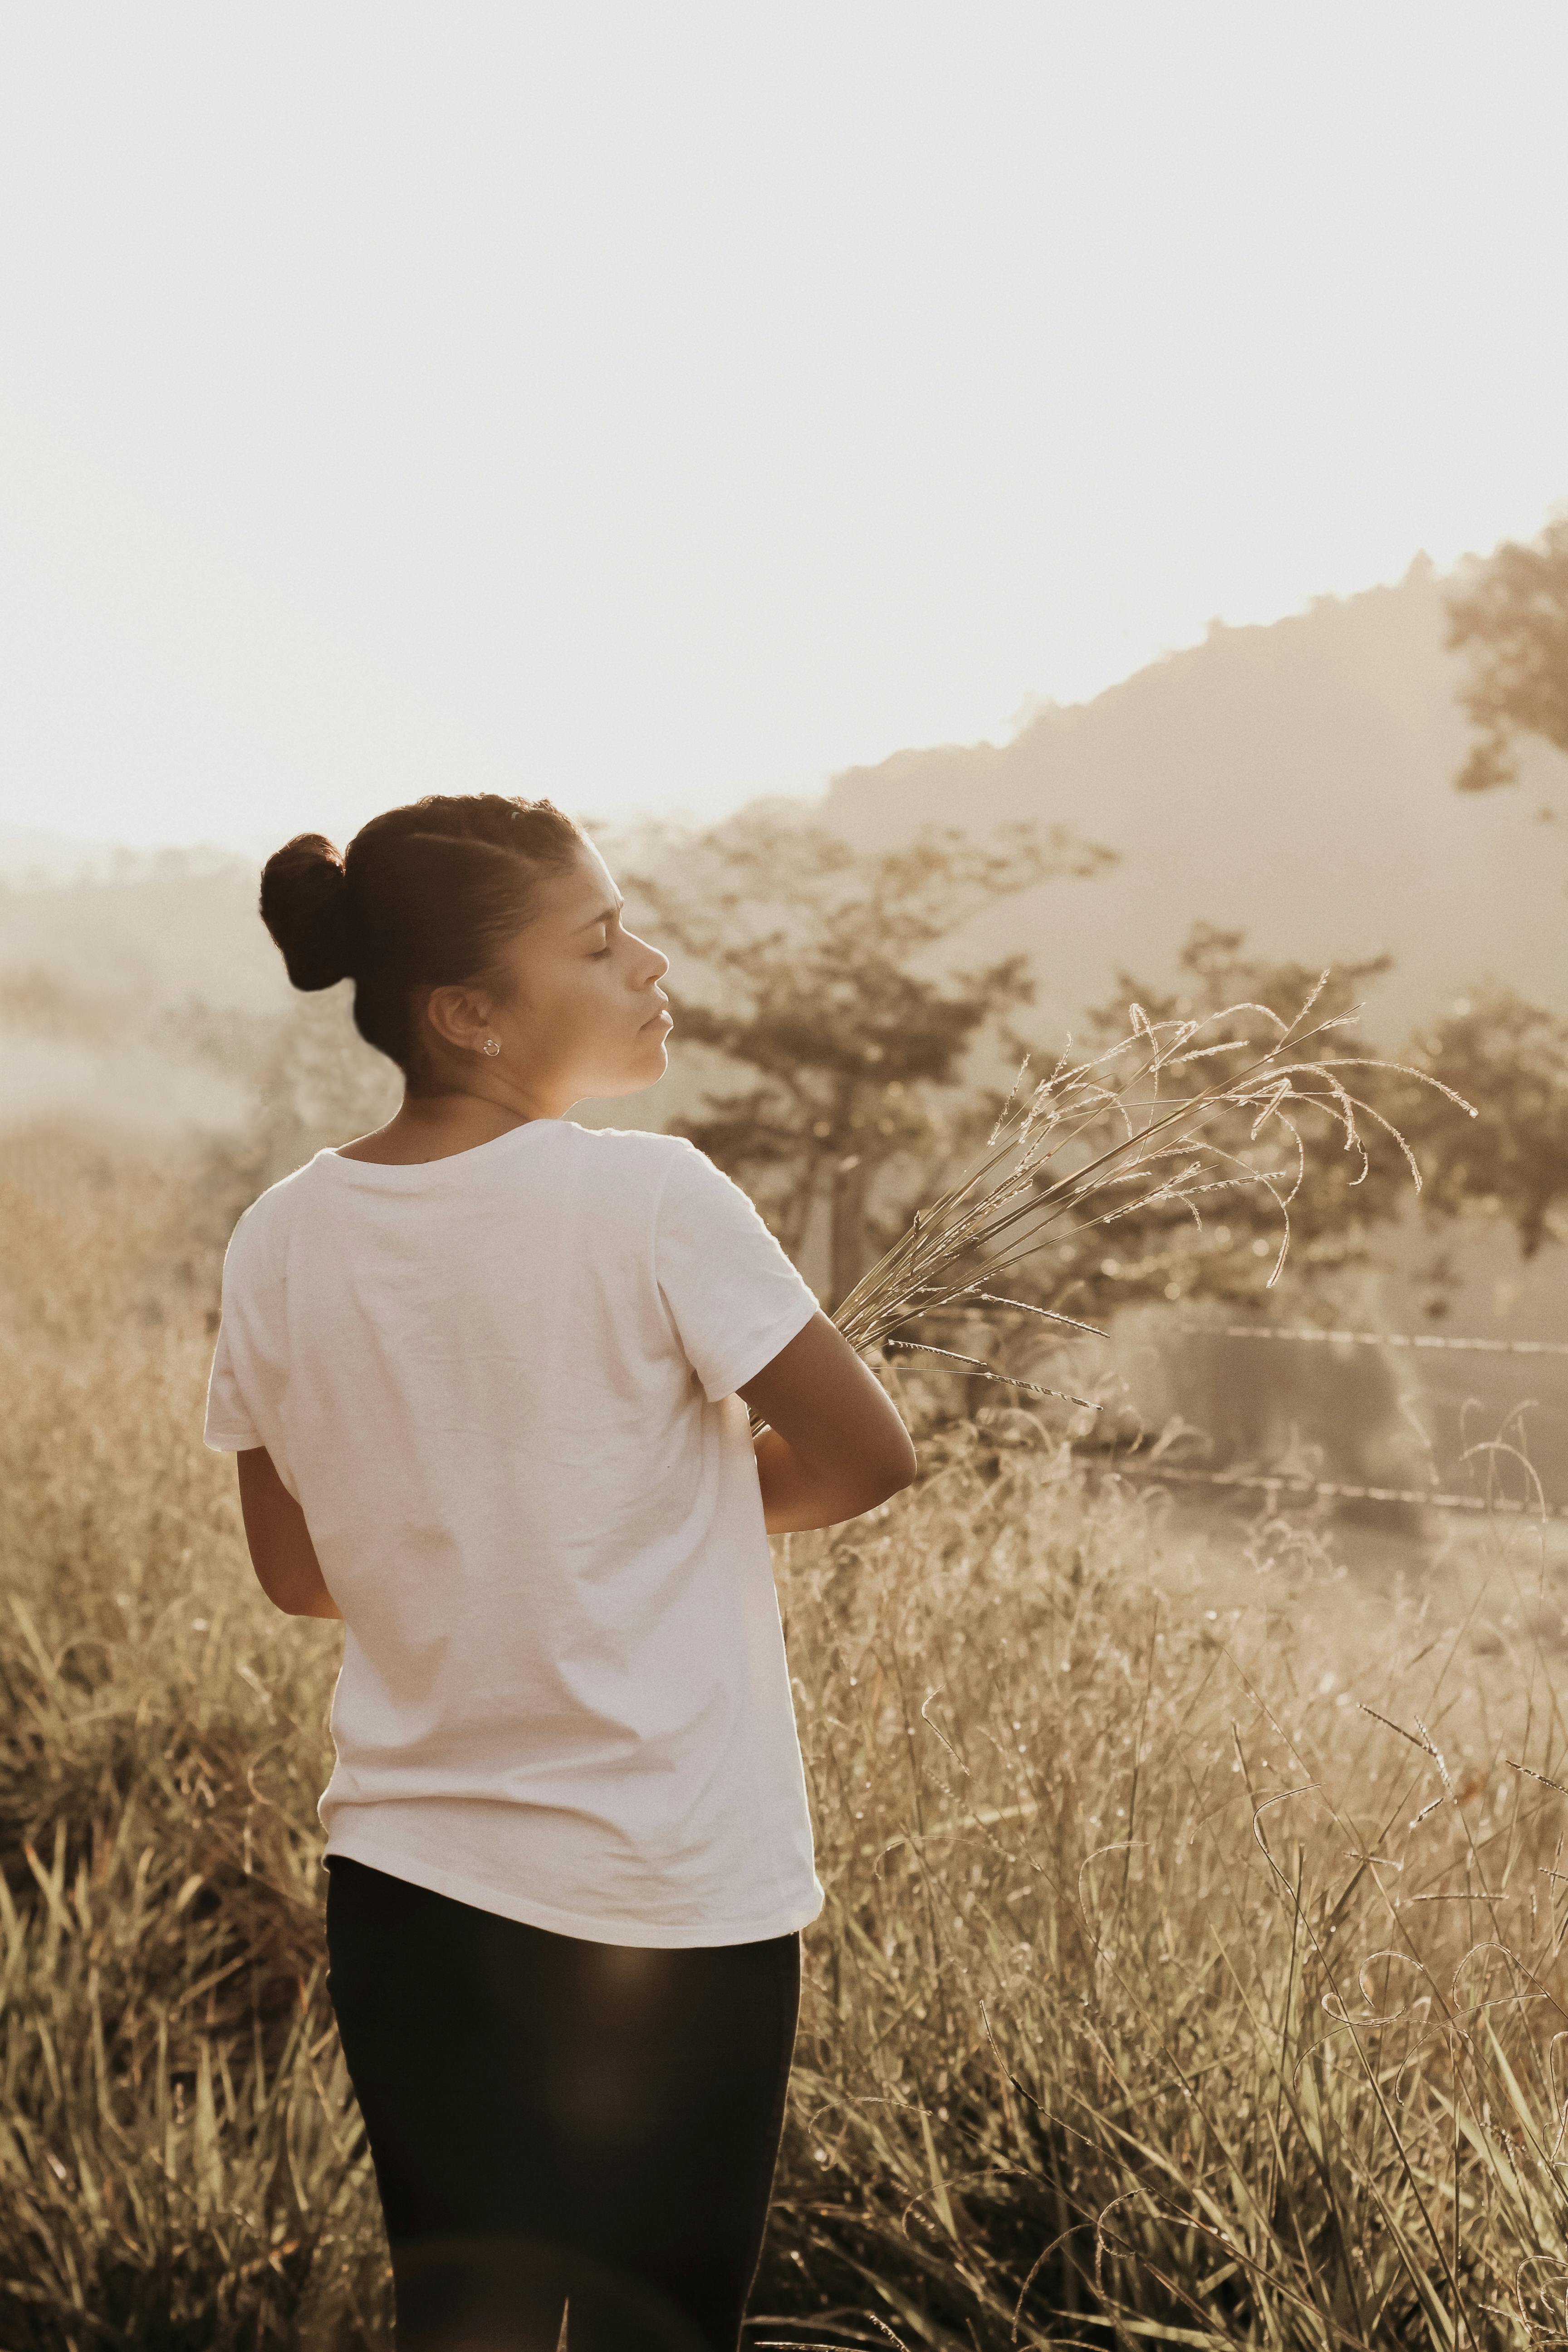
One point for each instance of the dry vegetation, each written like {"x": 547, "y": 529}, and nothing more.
{"x": 1161, "y": 1994}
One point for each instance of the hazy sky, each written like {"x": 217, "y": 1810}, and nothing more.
{"x": 652, "y": 405}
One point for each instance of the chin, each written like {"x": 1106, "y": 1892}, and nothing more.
{"x": 647, "y": 1071}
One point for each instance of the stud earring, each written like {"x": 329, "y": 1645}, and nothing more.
{"x": 490, "y": 1045}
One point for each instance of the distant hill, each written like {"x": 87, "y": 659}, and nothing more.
{"x": 1293, "y": 781}
{"x": 146, "y": 929}
{"x": 92, "y": 964}
{"x": 31, "y": 856}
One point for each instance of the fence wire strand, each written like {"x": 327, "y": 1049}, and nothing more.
{"x": 1285, "y": 1481}
{"x": 1436, "y": 1340}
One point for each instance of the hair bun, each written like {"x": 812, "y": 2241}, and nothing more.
{"x": 304, "y": 905}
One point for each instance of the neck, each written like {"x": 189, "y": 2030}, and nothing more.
{"x": 434, "y": 1126}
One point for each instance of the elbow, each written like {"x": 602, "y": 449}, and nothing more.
{"x": 296, "y": 1596}
{"x": 288, "y": 1604}
{"x": 899, "y": 1471}
{"x": 314, "y": 1604}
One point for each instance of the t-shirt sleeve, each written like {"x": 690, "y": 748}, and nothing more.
{"x": 230, "y": 1423}
{"x": 735, "y": 1298}
{"x": 229, "y": 1428}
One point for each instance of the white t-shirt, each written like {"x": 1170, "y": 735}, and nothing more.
{"x": 501, "y": 1386}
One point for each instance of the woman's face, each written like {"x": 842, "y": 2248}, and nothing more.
{"x": 584, "y": 1015}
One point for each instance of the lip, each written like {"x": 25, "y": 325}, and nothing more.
{"x": 662, "y": 1014}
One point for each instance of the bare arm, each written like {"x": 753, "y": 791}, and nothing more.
{"x": 835, "y": 1446}
{"x": 281, "y": 1551}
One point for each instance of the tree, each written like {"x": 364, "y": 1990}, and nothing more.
{"x": 1509, "y": 1058}
{"x": 1514, "y": 624}
{"x": 812, "y": 954}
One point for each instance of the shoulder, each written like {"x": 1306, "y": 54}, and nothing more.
{"x": 653, "y": 1168}
{"x": 259, "y": 1229}
{"x": 644, "y": 1151}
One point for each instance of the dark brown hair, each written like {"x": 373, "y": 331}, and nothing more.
{"x": 425, "y": 897}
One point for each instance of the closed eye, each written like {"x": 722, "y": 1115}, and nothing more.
{"x": 609, "y": 917}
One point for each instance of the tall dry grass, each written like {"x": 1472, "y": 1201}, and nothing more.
{"x": 1162, "y": 1994}
{"x": 1162, "y": 1991}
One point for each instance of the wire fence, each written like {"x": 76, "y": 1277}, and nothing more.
{"x": 1282, "y": 1483}
{"x": 1310, "y": 1334}
{"x": 1285, "y": 1483}
{"x": 1297, "y": 1485}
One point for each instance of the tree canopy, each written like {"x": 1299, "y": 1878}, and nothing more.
{"x": 1513, "y": 623}
{"x": 1509, "y": 1058}
{"x": 810, "y": 957}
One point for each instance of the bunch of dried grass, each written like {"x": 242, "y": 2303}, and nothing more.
{"x": 1138, "y": 1127}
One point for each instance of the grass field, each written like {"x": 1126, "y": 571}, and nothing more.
{"x": 1162, "y": 1994}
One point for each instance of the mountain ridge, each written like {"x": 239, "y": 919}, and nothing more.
{"x": 1292, "y": 778}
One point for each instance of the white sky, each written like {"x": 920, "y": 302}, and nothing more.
{"x": 652, "y": 405}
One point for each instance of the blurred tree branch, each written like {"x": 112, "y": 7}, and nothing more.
{"x": 313, "y": 1081}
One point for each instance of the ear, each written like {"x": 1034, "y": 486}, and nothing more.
{"x": 459, "y": 1016}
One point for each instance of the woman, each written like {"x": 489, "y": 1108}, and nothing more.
{"x": 483, "y": 1370}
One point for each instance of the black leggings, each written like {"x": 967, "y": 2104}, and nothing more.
{"x": 552, "y": 2118}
